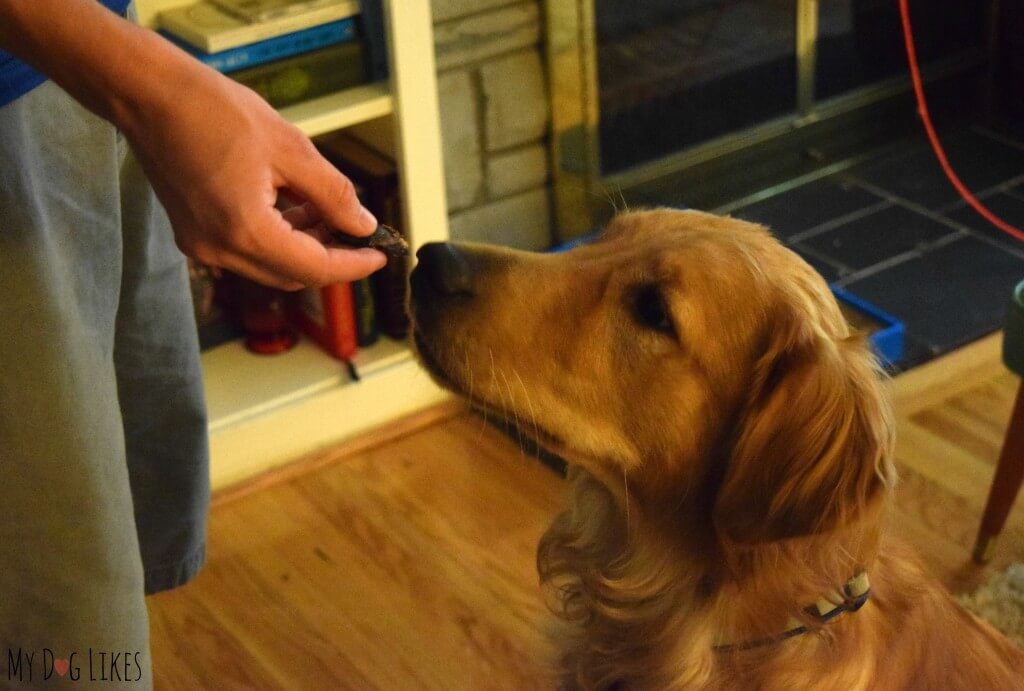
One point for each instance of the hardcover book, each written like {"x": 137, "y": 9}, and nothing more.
{"x": 366, "y": 317}
{"x": 209, "y": 28}
{"x": 262, "y": 10}
{"x": 327, "y": 315}
{"x": 272, "y": 49}
{"x": 300, "y": 78}
{"x": 374, "y": 35}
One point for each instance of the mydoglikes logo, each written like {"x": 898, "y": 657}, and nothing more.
{"x": 31, "y": 666}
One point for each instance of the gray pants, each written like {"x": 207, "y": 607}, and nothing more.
{"x": 104, "y": 482}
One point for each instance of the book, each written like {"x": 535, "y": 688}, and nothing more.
{"x": 302, "y": 77}
{"x": 210, "y": 29}
{"x": 366, "y": 317}
{"x": 327, "y": 315}
{"x": 377, "y": 175}
{"x": 262, "y": 10}
{"x": 276, "y": 48}
{"x": 374, "y": 35}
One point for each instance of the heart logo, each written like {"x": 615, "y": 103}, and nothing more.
{"x": 61, "y": 667}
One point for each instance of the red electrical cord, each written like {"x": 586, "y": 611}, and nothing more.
{"x": 929, "y": 128}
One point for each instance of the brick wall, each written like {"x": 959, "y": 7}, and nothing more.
{"x": 494, "y": 120}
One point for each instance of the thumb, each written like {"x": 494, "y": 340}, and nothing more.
{"x": 333, "y": 194}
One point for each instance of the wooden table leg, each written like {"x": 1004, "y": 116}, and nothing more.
{"x": 1005, "y": 484}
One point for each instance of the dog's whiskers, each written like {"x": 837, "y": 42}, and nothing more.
{"x": 610, "y": 198}
{"x": 481, "y": 415}
{"x": 494, "y": 379}
{"x": 495, "y": 386}
{"x": 529, "y": 406}
{"x": 609, "y": 195}
{"x": 605, "y": 194}
{"x": 515, "y": 414}
{"x": 622, "y": 198}
{"x": 469, "y": 371}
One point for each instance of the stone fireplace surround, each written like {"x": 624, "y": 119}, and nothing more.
{"x": 495, "y": 120}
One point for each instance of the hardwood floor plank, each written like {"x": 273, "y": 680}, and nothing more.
{"x": 409, "y": 565}
{"x": 937, "y": 381}
{"x": 198, "y": 649}
{"x": 930, "y": 453}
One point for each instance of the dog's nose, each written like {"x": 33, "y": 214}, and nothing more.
{"x": 446, "y": 268}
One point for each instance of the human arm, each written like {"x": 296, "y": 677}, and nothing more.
{"x": 216, "y": 153}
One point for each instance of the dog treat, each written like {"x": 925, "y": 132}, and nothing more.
{"x": 385, "y": 238}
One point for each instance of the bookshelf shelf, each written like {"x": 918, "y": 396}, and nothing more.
{"x": 234, "y": 394}
{"x": 268, "y": 411}
{"x": 340, "y": 110}
{"x": 265, "y": 410}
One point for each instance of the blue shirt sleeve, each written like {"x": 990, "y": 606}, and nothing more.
{"x": 17, "y": 78}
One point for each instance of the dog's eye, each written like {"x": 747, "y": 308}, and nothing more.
{"x": 650, "y": 310}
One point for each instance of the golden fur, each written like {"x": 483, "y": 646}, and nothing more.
{"x": 730, "y": 463}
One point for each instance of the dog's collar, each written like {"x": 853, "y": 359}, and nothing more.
{"x": 856, "y": 592}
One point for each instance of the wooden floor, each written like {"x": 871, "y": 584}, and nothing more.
{"x": 408, "y": 564}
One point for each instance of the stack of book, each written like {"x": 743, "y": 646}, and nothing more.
{"x": 345, "y": 317}
{"x": 285, "y": 50}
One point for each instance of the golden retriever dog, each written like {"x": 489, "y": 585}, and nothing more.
{"x": 730, "y": 450}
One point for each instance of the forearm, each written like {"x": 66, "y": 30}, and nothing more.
{"x": 110, "y": 65}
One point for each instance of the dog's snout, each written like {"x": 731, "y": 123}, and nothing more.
{"x": 446, "y": 268}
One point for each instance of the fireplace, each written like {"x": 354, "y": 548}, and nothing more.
{"x": 651, "y": 96}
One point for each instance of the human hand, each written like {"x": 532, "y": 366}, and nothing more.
{"x": 217, "y": 156}
{"x": 215, "y": 152}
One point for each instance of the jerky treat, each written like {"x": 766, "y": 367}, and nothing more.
{"x": 385, "y": 238}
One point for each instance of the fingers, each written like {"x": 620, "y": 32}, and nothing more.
{"x": 260, "y": 275}
{"x": 296, "y": 255}
{"x": 302, "y": 216}
{"x": 307, "y": 172}
{"x": 321, "y": 232}
{"x": 336, "y": 266}
{"x": 354, "y": 264}
{"x": 282, "y": 254}
{"x": 306, "y": 218}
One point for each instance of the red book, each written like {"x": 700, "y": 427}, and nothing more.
{"x": 327, "y": 315}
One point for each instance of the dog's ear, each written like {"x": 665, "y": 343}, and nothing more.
{"x": 813, "y": 443}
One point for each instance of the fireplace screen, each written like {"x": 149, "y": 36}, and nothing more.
{"x": 637, "y": 81}
{"x": 673, "y": 74}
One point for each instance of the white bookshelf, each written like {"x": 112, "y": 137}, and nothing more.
{"x": 266, "y": 411}
{"x": 343, "y": 109}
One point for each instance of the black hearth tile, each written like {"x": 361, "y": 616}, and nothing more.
{"x": 913, "y": 172}
{"x": 1011, "y": 129}
{"x": 950, "y": 295}
{"x": 829, "y": 271}
{"x": 915, "y": 352}
{"x": 1005, "y": 206}
{"x": 807, "y": 206}
{"x": 870, "y": 239}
